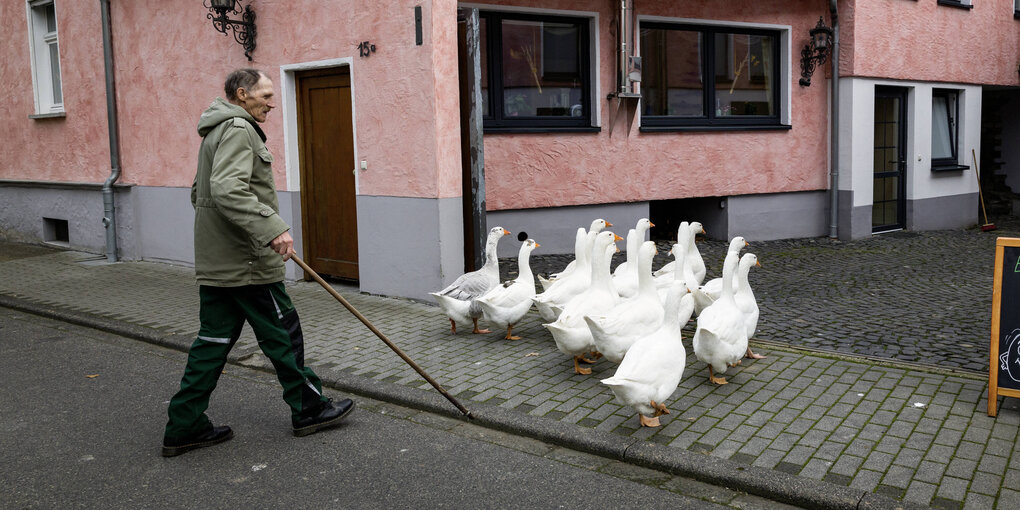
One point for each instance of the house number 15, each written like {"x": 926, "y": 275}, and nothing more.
{"x": 365, "y": 49}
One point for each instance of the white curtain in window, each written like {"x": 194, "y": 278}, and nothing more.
{"x": 941, "y": 141}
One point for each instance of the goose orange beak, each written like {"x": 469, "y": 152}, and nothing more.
{"x": 538, "y": 245}
{"x": 617, "y": 238}
{"x": 757, "y": 263}
{"x": 609, "y": 224}
{"x": 650, "y": 224}
{"x": 506, "y": 232}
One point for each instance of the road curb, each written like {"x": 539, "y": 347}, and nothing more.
{"x": 767, "y": 483}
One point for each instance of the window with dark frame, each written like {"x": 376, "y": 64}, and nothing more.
{"x": 709, "y": 76}
{"x": 535, "y": 72}
{"x": 945, "y": 112}
{"x": 962, "y": 4}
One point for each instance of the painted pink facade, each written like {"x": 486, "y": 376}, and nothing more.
{"x": 528, "y": 171}
{"x": 71, "y": 149}
{"x": 396, "y": 88}
{"x": 407, "y": 97}
{"x": 922, "y": 40}
{"x": 162, "y": 89}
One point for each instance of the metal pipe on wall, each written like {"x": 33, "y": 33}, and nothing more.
{"x": 109, "y": 210}
{"x": 834, "y": 128}
{"x": 626, "y": 36}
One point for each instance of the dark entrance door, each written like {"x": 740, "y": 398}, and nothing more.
{"x": 888, "y": 210}
{"x": 328, "y": 198}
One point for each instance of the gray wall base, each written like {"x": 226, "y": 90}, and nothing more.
{"x": 409, "y": 246}
{"x": 24, "y": 205}
{"x": 778, "y": 215}
{"x": 940, "y": 213}
{"x": 761, "y": 217}
{"x": 554, "y": 227}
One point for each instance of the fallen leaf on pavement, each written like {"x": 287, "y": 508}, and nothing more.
{"x": 93, "y": 376}
{"x": 531, "y": 354}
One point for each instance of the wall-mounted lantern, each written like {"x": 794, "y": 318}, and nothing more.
{"x": 815, "y": 52}
{"x": 244, "y": 30}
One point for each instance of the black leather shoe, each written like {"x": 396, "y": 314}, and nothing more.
{"x": 173, "y": 447}
{"x": 327, "y": 415}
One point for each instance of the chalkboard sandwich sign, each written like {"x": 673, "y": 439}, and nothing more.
{"x": 1004, "y": 371}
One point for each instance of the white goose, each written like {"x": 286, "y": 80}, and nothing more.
{"x": 677, "y": 278}
{"x": 710, "y": 291}
{"x": 506, "y": 305}
{"x": 625, "y": 277}
{"x": 582, "y": 247}
{"x": 550, "y": 303}
{"x": 720, "y": 339}
{"x": 652, "y": 369}
{"x": 746, "y": 301}
{"x": 694, "y": 259}
{"x": 458, "y": 300}
{"x": 570, "y": 332}
{"x": 617, "y": 330}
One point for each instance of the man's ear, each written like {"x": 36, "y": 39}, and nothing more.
{"x": 241, "y": 93}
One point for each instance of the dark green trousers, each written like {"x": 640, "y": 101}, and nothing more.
{"x": 224, "y": 310}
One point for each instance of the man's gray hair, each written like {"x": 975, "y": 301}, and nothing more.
{"x": 241, "y": 79}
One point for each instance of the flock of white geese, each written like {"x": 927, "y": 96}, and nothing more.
{"x": 632, "y": 316}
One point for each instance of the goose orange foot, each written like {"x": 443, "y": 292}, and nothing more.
{"x": 660, "y": 408}
{"x": 509, "y": 336}
{"x": 753, "y": 355}
{"x": 716, "y": 380}
{"x": 478, "y": 331}
{"x": 648, "y": 422}
{"x": 453, "y": 327}
{"x": 578, "y": 369}
{"x": 595, "y": 355}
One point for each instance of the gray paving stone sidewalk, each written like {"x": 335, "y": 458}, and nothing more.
{"x": 901, "y": 430}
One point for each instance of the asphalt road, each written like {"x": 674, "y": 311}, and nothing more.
{"x": 83, "y": 416}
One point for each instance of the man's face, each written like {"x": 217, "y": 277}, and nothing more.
{"x": 259, "y": 100}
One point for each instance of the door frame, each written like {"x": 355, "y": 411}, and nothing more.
{"x": 292, "y": 149}
{"x": 901, "y": 207}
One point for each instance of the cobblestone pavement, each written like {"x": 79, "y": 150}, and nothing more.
{"x": 922, "y": 297}
{"x": 907, "y": 431}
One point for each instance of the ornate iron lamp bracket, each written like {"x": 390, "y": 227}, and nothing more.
{"x": 243, "y": 30}
{"x": 815, "y": 52}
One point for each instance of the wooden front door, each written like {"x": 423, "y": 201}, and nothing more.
{"x": 328, "y": 205}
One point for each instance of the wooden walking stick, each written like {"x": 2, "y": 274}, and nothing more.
{"x": 379, "y": 334}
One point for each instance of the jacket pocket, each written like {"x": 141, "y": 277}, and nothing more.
{"x": 265, "y": 155}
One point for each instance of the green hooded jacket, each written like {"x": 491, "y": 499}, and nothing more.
{"x": 236, "y": 211}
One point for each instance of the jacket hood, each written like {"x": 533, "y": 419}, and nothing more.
{"x": 219, "y": 111}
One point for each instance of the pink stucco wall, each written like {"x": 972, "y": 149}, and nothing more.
{"x": 401, "y": 128}
{"x": 70, "y": 149}
{"x": 168, "y": 73}
{"x": 406, "y": 96}
{"x": 924, "y": 41}
{"x": 541, "y": 170}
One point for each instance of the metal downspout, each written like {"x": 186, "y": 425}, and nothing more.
{"x": 834, "y": 128}
{"x": 109, "y": 211}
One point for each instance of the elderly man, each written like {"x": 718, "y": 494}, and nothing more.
{"x": 241, "y": 244}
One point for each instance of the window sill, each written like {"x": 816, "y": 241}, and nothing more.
{"x": 949, "y": 168}
{"x": 958, "y": 5}
{"x": 671, "y": 129}
{"x": 505, "y": 129}
{"x": 54, "y": 115}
